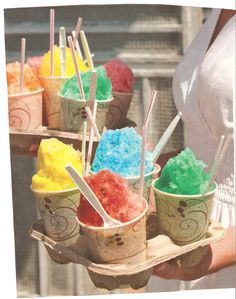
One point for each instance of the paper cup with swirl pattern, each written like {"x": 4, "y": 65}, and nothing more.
{"x": 73, "y": 114}
{"x": 184, "y": 218}
{"x": 125, "y": 243}
{"x": 118, "y": 109}
{"x": 51, "y": 101}
{"x": 58, "y": 213}
{"x": 25, "y": 110}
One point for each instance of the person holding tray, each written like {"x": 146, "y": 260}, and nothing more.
{"x": 203, "y": 91}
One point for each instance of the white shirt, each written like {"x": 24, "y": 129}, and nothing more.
{"x": 203, "y": 89}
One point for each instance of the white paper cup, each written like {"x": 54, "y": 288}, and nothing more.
{"x": 125, "y": 243}
{"x": 25, "y": 110}
{"x": 58, "y": 213}
{"x": 51, "y": 99}
{"x": 184, "y": 219}
{"x": 73, "y": 114}
{"x": 118, "y": 110}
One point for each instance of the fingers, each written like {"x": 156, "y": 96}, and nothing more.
{"x": 168, "y": 270}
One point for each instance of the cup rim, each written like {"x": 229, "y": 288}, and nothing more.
{"x": 123, "y": 93}
{"x": 54, "y": 192}
{"x": 99, "y": 228}
{"x": 85, "y": 101}
{"x": 192, "y": 196}
{"x": 156, "y": 167}
{"x": 54, "y": 77}
{"x": 21, "y": 94}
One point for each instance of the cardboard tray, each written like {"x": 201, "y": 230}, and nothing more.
{"x": 112, "y": 276}
{"x": 22, "y": 140}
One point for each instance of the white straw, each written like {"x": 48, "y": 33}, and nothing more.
{"x": 86, "y": 49}
{"x": 165, "y": 138}
{"x": 77, "y": 30}
{"x": 84, "y": 147}
{"x": 76, "y": 67}
{"x": 77, "y": 47}
{"x": 62, "y": 45}
{"x": 22, "y": 63}
{"x": 92, "y": 122}
{"x": 52, "y": 20}
{"x": 91, "y": 136}
{"x": 142, "y": 163}
{"x": 149, "y": 111}
{"x": 215, "y": 165}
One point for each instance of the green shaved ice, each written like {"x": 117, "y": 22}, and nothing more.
{"x": 70, "y": 89}
{"x": 183, "y": 174}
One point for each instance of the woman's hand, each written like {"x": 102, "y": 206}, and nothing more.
{"x": 219, "y": 255}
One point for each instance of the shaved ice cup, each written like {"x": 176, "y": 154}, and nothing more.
{"x": 124, "y": 243}
{"x": 118, "y": 110}
{"x": 184, "y": 219}
{"x": 51, "y": 100}
{"x": 25, "y": 110}
{"x": 58, "y": 213}
{"x": 73, "y": 114}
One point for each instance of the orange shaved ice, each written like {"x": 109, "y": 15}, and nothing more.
{"x": 45, "y": 67}
{"x": 31, "y": 80}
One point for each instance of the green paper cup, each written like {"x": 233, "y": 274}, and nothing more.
{"x": 73, "y": 114}
{"x": 51, "y": 101}
{"x": 125, "y": 243}
{"x": 25, "y": 110}
{"x": 58, "y": 213}
{"x": 184, "y": 219}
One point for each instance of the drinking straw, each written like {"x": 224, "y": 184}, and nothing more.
{"x": 216, "y": 162}
{"x": 84, "y": 146}
{"x": 22, "y": 63}
{"x": 75, "y": 34}
{"x": 52, "y": 20}
{"x": 89, "y": 113}
{"x": 62, "y": 45}
{"x": 92, "y": 98}
{"x": 86, "y": 49}
{"x": 142, "y": 163}
{"x": 77, "y": 30}
{"x": 150, "y": 107}
{"x": 76, "y": 67}
{"x": 165, "y": 138}
{"x": 93, "y": 124}
{"x": 77, "y": 47}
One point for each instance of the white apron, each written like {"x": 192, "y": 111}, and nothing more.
{"x": 203, "y": 89}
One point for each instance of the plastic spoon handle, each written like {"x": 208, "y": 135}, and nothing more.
{"x": 90, "y": 196}
{"x": 165, "y": 137}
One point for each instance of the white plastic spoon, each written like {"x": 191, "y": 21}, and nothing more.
{"x": 165, "y": 137}
{"x": 91, "y": 197}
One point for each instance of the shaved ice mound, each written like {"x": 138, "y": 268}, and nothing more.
{"x": 115, "y": 196}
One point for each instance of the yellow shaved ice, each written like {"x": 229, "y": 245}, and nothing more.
{"x": 45, "y": 69}
{"x": 53, "y": 155}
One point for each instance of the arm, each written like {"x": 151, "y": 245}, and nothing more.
{"x": 220, "y": 255}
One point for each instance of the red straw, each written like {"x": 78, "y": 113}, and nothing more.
{"x": 142, "y": 163}
{"x": 22, "y": 63}
{"x": 72, "y": 49}
{"x": 77, "y": 30}
{"x": 52, "y": 20}
{"x": 149, "y": 111}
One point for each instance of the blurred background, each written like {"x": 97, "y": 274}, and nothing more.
{"x": 151, "y": 39}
